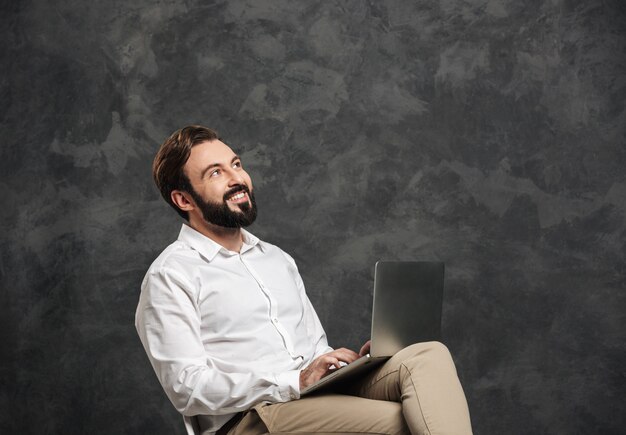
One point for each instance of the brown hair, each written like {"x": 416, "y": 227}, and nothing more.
{"x": 167, "y": 168}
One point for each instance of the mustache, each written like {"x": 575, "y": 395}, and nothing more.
{"x": 236, "y": 189}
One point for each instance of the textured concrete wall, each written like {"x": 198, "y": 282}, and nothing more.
{"x": 489, "y": 134}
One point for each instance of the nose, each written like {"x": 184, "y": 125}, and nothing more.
{"x": 236, "y": 177}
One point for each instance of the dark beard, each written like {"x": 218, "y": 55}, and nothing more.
{"x": 221, "y": 215}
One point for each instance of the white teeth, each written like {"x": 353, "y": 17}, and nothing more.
{"x": 237, "y": 196}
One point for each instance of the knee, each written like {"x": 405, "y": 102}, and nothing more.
{"x": 434, "y": 351}
{"x": 430, "y": 347}
{"x": 438, "y": 348}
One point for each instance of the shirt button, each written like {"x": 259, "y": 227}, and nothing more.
{"x": 293, "y": 396}
{"x": 274, "y": 320}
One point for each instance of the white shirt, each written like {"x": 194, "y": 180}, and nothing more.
{"x": 226, "y": 330}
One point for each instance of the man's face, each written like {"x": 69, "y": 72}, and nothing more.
{"x": 221, "y": 189}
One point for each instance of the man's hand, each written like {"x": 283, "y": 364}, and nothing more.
{"x": 324, "y": 364}
{"x": 366, "y": 348}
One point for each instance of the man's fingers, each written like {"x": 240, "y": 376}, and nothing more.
{"x": 322, "y": 364}
{"x": 330, "y": 361}
{"x": 365, "y": 349}
{"x": 345, "y": 355}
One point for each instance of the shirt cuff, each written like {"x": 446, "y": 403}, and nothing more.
{"x": 289, "y": 385}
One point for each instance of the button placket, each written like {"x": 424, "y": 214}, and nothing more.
{"x": 273, "y": 309}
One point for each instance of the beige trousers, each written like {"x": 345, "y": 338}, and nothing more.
{"x": 417, "y": 391}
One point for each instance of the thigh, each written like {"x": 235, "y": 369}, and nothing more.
{"x": 325, "y": 414}
{"x": 384, "y": 382}
{"x": 250, "y": 424}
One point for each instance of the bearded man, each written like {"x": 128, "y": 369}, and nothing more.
{"x": 233, "y": 338}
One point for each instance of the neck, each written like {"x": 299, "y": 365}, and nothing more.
{"x": 229, "y": 238}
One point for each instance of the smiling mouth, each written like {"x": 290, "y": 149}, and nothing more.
{"x": 237, "y": 196}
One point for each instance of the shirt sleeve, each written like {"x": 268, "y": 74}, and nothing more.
{"x": 168, "y": 324}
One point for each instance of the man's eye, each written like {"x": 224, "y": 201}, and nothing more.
{"x": 215, "y": 173}
{"x": 237, "y": 165}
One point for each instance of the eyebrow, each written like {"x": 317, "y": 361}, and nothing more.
{"x": 217, "y": 165}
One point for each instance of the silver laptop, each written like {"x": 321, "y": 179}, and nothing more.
{"x": 408, "y": 297}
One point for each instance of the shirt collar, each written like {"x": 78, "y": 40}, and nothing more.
{"x": 209, "y": 248}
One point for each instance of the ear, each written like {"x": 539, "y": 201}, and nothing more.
{"x": 182, "y": 200}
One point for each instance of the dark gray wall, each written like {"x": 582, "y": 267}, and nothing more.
{"x": 489, "y": 134}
